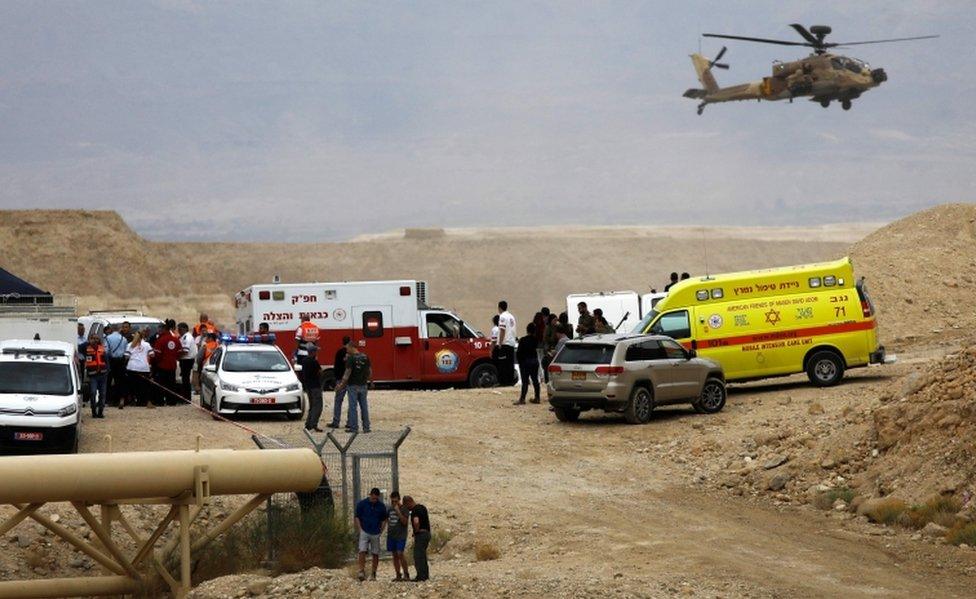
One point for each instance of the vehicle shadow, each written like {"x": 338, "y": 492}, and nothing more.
{"x": 770, "y": 387}
{"x": 662, "y": 414}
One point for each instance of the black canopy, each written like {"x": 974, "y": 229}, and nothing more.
{"x": 13, "y": 288}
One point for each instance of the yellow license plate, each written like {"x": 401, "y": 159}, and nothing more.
{"x": 579, "y": 376}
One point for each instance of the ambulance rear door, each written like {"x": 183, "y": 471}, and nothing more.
{"x": 373, "y": 334}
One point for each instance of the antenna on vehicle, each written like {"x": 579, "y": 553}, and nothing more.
{"x": 705, "y": 247}
{"x": 276, "y": 279}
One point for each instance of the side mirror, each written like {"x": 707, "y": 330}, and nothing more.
{"x": 210, "y": 368}
{"x": 692, "y": 354}
{"x": 298, "y": 367}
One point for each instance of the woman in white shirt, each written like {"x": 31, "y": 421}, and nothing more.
{"x": 139, "y": 353}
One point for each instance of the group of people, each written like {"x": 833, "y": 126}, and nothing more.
{"x": 132, "y": 366}
{"x": 353, "y": 374}
{"x": 373, "y": 517}
{"x": 674, "y": 280}
{"x": 535, "y": 350}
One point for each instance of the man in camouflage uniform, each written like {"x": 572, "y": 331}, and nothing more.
{"x": 586, "y": 324}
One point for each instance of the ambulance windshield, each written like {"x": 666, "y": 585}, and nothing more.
{"x": 645, "y": 322}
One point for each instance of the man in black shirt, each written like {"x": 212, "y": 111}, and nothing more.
{"x": 420, "y": 522}
{"x": 339, "y": 369}
{"x": 312, "y": 381}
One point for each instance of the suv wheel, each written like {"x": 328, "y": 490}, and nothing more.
{"x": 825, "y": 369}
{"x": 639, "y": 407}
{"x": 566, "y": 414}
{"x": 712, "y": 397}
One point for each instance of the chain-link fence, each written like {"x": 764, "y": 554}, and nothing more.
{"x": 355, "y": 463}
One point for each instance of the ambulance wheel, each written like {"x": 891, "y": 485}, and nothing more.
{"x": 483, "y": 376}
{"x": 638, "y": 410}
{"x": 825, "y": 368}
{"x": 566, "y": 414}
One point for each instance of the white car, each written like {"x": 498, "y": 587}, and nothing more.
{"x": 248, "y": 378}
{"x": 39, "y": 397}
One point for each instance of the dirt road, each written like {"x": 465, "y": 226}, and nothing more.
{"x": 603, "y": 508}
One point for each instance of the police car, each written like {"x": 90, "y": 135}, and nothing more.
{"x": 39, "y": 397}
{"x": 248, "y": 375}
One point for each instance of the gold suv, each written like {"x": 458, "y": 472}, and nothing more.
{"x": 631, "y": 374}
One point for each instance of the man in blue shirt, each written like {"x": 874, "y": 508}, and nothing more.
{"x": 115, "y": 349}
{"x": 371, "y": 517}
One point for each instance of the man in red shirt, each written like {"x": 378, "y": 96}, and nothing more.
{"x": 168, "y": 349}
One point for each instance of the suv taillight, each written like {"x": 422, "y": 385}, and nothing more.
{"x": 609, "y": 370}
{"x": 555, "y": 369}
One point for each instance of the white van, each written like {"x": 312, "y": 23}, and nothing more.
{"x": 40, "y": 398}
{"x": 96, "y": 320}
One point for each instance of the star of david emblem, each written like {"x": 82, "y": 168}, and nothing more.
{"x": 772, "y": 317}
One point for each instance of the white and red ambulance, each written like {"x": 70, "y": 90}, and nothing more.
{"x": 406, "y": 340}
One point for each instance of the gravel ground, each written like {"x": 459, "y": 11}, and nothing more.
{"x": 595, "y": 508}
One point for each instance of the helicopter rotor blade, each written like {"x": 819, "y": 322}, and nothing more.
{"x": 720, "y": 65}
{"x": 756, "y": 39}
{"x": 805, "y": 34}
{"x": 896, "y": 39}
{"x": 720, "y": 54}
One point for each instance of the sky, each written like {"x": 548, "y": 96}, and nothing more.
{"x": 307, "y": 121}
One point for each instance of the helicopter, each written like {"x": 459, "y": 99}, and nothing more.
{"x": 822, "y": 76}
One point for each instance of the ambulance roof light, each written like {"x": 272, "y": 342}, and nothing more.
{"x": 814, "y": 282}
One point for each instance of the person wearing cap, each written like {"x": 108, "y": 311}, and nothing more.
{"x": 371, "y": 517}
{"x": 311, "y": 375}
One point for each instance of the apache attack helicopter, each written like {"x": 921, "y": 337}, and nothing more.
{"x": 823, "y": 76}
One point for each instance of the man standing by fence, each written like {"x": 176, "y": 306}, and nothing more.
{"x": 371, "y": 515}
{"x": 420, "y": 521}
{"x": 356, "y": 379}
{"x": 396, "y": 536}
{"x": 311, "y": 375}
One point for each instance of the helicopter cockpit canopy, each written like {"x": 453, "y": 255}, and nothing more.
{"x": 851, "y": 64}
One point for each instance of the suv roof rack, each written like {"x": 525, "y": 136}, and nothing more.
{"x": 117, "y": 311}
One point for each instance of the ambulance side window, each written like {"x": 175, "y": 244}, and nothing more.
{"x": 673, "y": 324}
{"x": 372, "y": 324}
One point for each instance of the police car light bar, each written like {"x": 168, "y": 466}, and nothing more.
{"x": 256, "y": 338}
{"x": 33, "y": 351}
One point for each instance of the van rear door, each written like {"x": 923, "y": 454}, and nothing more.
{"x": 374, "y": 335}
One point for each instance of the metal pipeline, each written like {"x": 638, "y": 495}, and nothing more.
{"x": 113, "y": 477}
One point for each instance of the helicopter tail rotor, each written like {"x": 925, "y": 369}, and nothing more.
{"x": 715, "y": 61}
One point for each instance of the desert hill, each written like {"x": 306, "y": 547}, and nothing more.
{"x": 921, "y": 272}
{"x": 97, "y": 257}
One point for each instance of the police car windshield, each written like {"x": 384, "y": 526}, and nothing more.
{"x": 254, "y": 361}
{"x": 35, "y": 378}
{"x": 645, "y": 322}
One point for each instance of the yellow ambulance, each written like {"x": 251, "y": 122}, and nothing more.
{"x": 814, "y": 318}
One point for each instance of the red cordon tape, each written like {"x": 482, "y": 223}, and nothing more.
{"x": 211, "y": 413}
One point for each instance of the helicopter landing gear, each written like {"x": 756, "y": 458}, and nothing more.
{"x": 846, "y": 104}
{"x": 701, "y": 108}
{"x": 825, "y": 103}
